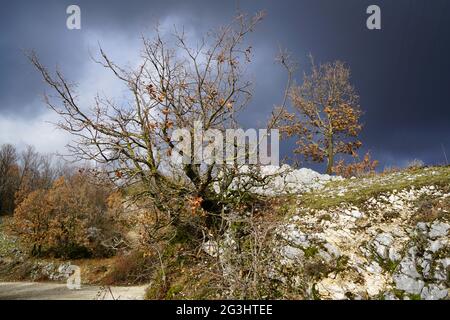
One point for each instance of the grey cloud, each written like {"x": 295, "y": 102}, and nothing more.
{"x": 401, "y": 72}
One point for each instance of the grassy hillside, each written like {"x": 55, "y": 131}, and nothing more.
{"x": 358, "y": 190}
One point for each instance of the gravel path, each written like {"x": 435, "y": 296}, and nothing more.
{"x": 52, "y": 291}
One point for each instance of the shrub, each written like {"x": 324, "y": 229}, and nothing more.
{"x": 134, "y": 267}
{"x": 415, "y": 164}
{"x": 356, "y": 169}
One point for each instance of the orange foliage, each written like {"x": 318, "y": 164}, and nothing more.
{"x": 326, "y": 114}
{"x": 195, "y": 204}
{"x": 356, "y": 169}
{"x": 70, "y": 219}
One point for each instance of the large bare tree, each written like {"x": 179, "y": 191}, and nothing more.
{"x": 176, "y": 84}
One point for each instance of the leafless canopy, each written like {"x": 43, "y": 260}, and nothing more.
{"x": 175, "y": 84}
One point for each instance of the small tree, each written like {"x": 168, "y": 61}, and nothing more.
{"x": 32, "y": 221}
{"x": 326, "y": 114}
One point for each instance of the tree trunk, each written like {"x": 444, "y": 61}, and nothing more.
{"x": 330, "y": 155}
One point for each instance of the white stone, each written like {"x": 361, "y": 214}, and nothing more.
{"x": 394, "y": 255}
{"x": 435, "y": 245}
{"x": 385, "y": 239}
{"x": 332, "y": 249}
{"x": 408, "y": 268}
{"x": 445, "y": 262}
{"x": 433, "y": 292}
{"x": 426, "y": 267}
{"x": 438, "y": 229}
{"x": 356, "y": 214}
{"x": 409, "y": 285}
{"x": 422, "y": 226}
{"x": 292, "y": 253}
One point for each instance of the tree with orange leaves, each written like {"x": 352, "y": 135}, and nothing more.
{"x": 76, "y": 217}
{"x": 326, "y": 117}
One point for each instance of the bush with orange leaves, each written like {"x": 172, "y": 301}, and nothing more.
{"x": 72, "y": 219}
{"x": 357, "y": 169}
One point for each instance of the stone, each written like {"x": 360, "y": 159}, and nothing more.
{"x": 390, "y": 296}
{"x": 331, "y": 289}
{"x": 374, "y": 267}
{"x": 438, "y": 229}
{"x": 408, "y": 268}
{"x": 426, "y": 267}
{"x": 382, "y": 243}
{"x": 435, "y": 246}
{"x": 298, "y": 238}
{"x": 408, "y": 284}
{"x": 356, "y": 214}
{"x": 440, "y": 275}
{"x": 374, "y": 284}
{"x": 422, "y": 226}
{"x": 292, "y": 253}
{"x": 433, "y": 292}
{"x": 390, "y": 252}
{"x": 285, "y": 179}
{"x": 385, "y": 239}
{"x": 394, "y": 255}
{"x": 333, "y": 250}
{"x": 211, "y": 248}
{"x": 445, "y": 262}
{"x": 325, "y": 256}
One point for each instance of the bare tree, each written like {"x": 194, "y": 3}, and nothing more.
{"x": 9, "y": 177}
{"x": 24, "y": 172}
{"x": 326, "y": 114}
{"x": 175, "y": 85}
{"x": 35, "y": 171}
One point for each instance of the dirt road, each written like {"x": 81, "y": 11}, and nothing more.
{"x": 52, "y": 291}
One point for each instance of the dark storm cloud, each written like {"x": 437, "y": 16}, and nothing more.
{"x": 24, "y": 26}
{"x": 41, "y": 26}
{"x": 401, "y": 72}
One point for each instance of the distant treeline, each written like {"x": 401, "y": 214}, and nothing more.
{"x": 26, "y": 171}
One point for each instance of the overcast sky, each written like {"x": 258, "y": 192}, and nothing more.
{"x": 401, "y": 72}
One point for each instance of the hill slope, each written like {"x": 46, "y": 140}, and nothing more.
{"x": 380, "y": 237}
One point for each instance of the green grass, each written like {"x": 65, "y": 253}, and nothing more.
{"x": 359, "y": 190}
{"x": 310, "y": 251}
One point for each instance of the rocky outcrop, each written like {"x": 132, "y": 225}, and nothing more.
{"x": 278, "y": 180}
{"x": 387, "y": 247}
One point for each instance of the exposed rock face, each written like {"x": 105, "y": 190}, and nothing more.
{"x": 288, "y": 180}
{"x": 376, "y": 237}
{"x": 281, "y": 180}
{"x": 376, "y": 250}
{"x": 50, "y": 271}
